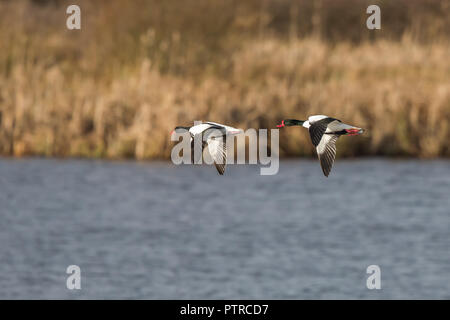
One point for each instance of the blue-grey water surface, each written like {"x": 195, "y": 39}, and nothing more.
{"x": 153, "y": 230}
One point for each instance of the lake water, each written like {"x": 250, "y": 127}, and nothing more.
{"x": 158, "y": 231}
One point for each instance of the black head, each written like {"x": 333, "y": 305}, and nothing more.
{"x": 290, "y": 123}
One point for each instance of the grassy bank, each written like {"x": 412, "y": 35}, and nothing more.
{"x": 119, "y": 86}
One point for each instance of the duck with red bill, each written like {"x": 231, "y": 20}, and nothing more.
{"x": 324, "y": 132}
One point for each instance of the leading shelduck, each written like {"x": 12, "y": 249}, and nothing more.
{"x": 212, "y": 135}
{"x": 324, "y": 132}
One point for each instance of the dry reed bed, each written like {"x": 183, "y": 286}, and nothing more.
{"x": 399, "y": 91}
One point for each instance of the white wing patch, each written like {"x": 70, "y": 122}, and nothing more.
{"x": 218, "y": 150}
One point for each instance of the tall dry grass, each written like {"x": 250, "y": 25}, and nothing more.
{"x": 137, "y": 69}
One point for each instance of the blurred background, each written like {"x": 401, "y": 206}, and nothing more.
{"x": 115, "y": 89}
{"x": 136, "y": 69}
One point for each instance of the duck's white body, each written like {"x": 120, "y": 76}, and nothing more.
{"x": 331, "y": 127}
{"x": 200, "y": 128}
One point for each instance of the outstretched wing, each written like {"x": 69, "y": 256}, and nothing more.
{"x": 218, "y": 150}
{"x": 318, "y": 128}
{"x": 216, "y": 142}
{"x": 326, "y": 150}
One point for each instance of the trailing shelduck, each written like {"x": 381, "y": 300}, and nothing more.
{"x": 212, "y": 135}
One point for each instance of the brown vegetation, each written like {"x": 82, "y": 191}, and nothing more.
{"x": 138, "y": 68}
